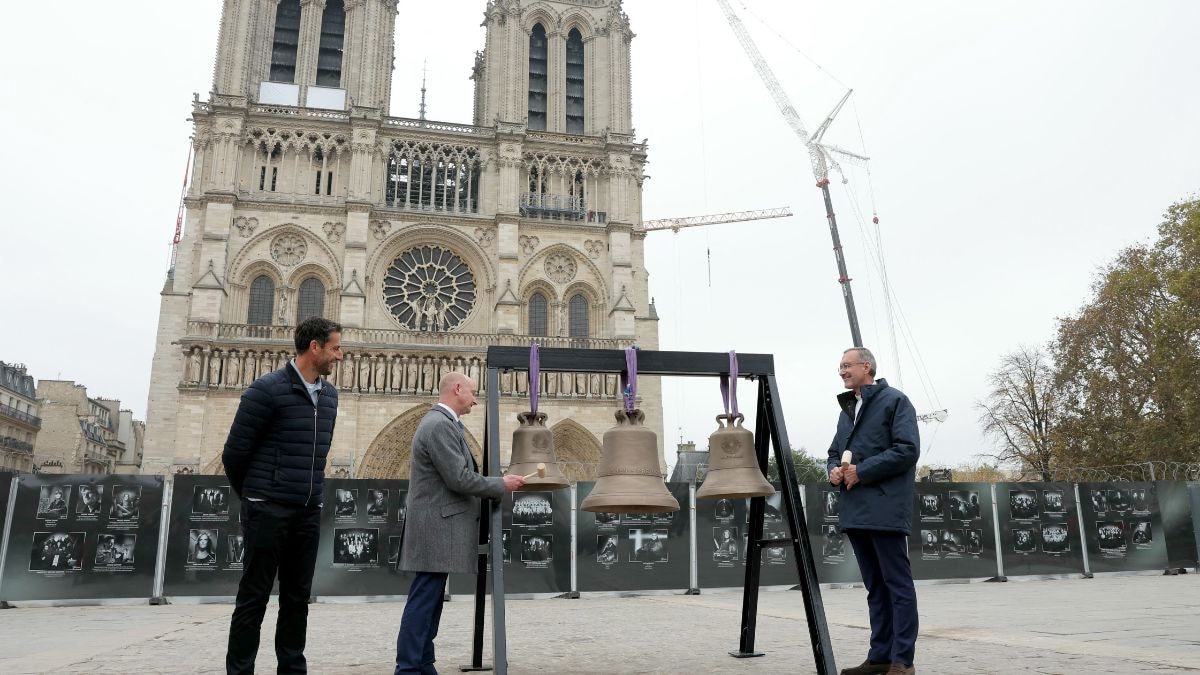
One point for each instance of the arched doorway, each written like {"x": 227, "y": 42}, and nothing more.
{"x": 577, "y": 450}
{"x": 390, "y": 454}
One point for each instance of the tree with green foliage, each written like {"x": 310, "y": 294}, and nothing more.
{"x": 809, "y": 469}
{"x": 1128, "y": 363}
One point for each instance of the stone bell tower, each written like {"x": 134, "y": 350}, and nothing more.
{"x": 428, "y": 241}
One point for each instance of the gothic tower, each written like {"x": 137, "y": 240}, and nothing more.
{"x": 428, "y": 241}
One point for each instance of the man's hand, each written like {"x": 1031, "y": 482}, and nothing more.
{"x": 512, "y": 482}
{"x": 850, "y": 474}
{"x": 835, "y": 475}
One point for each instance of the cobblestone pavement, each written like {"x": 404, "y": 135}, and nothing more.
{"x": 1116, "y": 624}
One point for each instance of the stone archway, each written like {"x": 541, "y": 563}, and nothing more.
{"x": 390, "y": 454}
{"x": 215, "y": 468}
{"x": 577, "y": 450}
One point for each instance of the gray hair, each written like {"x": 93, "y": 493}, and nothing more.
{"x": 866, "y": 356}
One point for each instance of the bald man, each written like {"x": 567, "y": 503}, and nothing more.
{"x": 441, "y": 528}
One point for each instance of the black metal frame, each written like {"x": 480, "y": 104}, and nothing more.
{"x": 769, "y": 431}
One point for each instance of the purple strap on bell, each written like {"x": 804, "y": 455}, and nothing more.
{"x": 629, "y": 379}
{"x": 534, "y": 378}
{"x": 729, "y": 386}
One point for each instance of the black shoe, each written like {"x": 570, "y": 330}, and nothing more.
{"x": 867, "y": 668}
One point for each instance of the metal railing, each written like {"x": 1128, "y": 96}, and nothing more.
{"x": 566, "y": 207}
{"x": 392, "y": 338}
{"x": 10, "y": 443}
{"x": 20, "y": 416}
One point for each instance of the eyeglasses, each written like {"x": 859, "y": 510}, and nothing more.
{"x": 847, "y": 366}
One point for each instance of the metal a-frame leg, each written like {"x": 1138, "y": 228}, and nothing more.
{"x": 488, "y": 523}
{"x": 769, "y": 419}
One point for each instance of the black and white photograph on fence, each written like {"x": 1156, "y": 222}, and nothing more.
{"x": 506, "y": 546}
{"x": 647, "y": 546}
{"x": 953, "y": 543}
{"x": 974, "y": 542}
{"x": 56, "y": 552}
{"x": 532, "y": 509}
{"x": 126, "y": 503}
{"x": 1139, "y": 502}
{"x": 115, "y": 549}
{"x": 1143, "y": 534}
{"x": 723, "y": 510}
{"x": 964, "y": 505}
{"x": 211, "y": 501}
{"x": 725, "y": 544}
{"x": 831, "y": 504}
{"x": 536, "y": 549}
{"x": 773, "y": 508}
{"x": 377, "y": 505}
{"x": 345, "y": 503}
{"x": 87, "y": 504}
{"x": 1023, "y": 504}
{"x": 401, "y": 505}
{"x": 833, "y": 542}
{"x": 1024, "y": 540}
{"x": 929, "y": 544}
{"x": 356, "y": 547}
{"x": 1118, "y": 500}
{"x": 52, "y": 502}
{"x": 777, "y": 554}
{"x": 1055, "y": 538}
{"x": 931, "y": 507}
{"x": 1110, "y": 536}
{"x": 202, "y": 547}
{"x": 606, "y": 549}
{"x": 637, "y": 518}
{"x": 394, "y": 551}
{"x": 608, "y": 520}
{"x": 1052, "y": 501}
{"x": 235, "y": 551}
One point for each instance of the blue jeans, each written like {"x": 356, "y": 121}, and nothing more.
{"x": 419, "y": 625}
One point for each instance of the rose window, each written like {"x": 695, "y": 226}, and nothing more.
{"x": 560, "y": 267}
{"x": 429, "y": 288}
{"x": 288, "y": 249}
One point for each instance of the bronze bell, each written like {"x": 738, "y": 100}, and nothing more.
{"x": 533, "y": 448}
{"x": 629, "y": 479}
{"x": 733, "y": 471}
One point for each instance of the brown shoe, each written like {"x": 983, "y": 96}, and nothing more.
{"x": 901, "y": 669}
{"x": 867, "y": 668}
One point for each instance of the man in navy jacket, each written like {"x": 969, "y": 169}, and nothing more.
{"x": 275, "y": 459}
{"x": 878, "y": 425}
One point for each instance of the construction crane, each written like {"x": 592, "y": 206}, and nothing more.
{"x": 676, "y": 224}
{"x": 820, "y": 154}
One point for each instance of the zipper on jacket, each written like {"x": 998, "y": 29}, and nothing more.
{"x": 312, "y": 469}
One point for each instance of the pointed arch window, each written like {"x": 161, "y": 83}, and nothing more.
{"x": 539, "y": 318}
{"x": 577, "y": 316}
{"x": 262, "y": 301}
{"x": 537, "y": 78}
{"x": 311, "y": 301}
{"x": 574, "y": 82}
{"x": 333, "y": 35}
{"x": 286, "y": 40}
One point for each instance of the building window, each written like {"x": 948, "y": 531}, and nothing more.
{"x": 329, "y": 57}
{"x": 287, "y": 37}
{"x": 539, "y": 323}
{"x": 577, "y": 315}
{"x": 311, "y": 301}
{"x": 262, "y": 301}
{"x": 537, "y": 78}
{"x": 574, "y": 82}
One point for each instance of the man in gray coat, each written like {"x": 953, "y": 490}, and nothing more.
{"x": 441, "y": 528}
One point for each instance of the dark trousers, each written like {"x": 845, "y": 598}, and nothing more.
{"x": 419, "y": 625}
{"x": 891, "y": 596}
{"x": 278, "y": 539}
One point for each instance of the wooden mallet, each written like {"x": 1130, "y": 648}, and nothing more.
{"x": 540, "y": 473}
{"x": 846, "y": 459}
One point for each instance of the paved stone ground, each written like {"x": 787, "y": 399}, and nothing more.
{"x": 1116, "y": 624}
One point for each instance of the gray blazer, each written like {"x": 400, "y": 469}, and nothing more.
{"x": 441, "y": 528}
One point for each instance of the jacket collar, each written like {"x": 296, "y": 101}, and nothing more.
{"x": 293, "y": 374}
{"x": 442, "y": 409}
{"x": 868, "y": 391}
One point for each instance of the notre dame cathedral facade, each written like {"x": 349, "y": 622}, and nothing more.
{"x": 427, "y": 241}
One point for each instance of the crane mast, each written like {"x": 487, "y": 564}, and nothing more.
{"x": 818, "y": 153}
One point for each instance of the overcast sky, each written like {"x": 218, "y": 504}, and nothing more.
{"x": 1016, "y": 147}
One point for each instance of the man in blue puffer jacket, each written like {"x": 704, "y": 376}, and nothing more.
{"x": 275, "y": 459}
{"x": 878, "y": 425}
